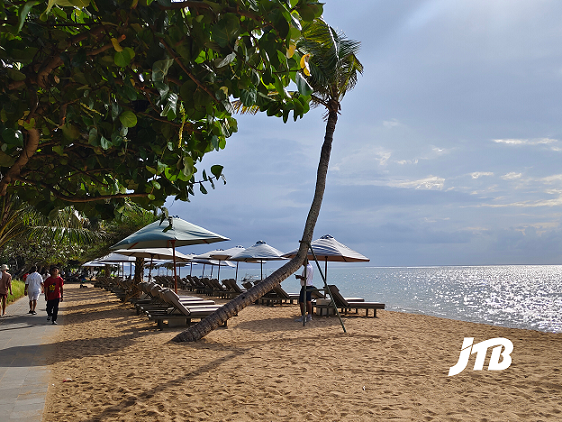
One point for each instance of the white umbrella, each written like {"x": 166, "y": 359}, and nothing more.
{"x": 220, "y": 255}
{"x": 327, "y": 248}
{"x": 155, "y": 253}
{"x": 170, "y": 232}
{"x": 227, "y": 254}
{"x": 115, "y": 258}
{"x": 212, "y": 262}
{"x": 92, "y": 264}
{"x": 259, "y": 252}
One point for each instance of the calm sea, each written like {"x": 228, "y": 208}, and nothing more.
{"x": 517, "y": 296}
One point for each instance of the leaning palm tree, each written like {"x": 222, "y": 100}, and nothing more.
{"x": 332, "y": 71}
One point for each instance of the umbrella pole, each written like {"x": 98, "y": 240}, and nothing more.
{"x": 190, "y": 268}
{"x": 219, "y": 272}
{"x": 325, "y": 271}
{"x": 175, "y": 274}
{"x": 326, "y": 289}
{"x": 236, "y": 277}
{"x": 150, "y": 268}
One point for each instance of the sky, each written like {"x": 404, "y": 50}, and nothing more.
{"x": 447, "y": 152}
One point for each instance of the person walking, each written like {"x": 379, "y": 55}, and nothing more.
{"x": 306, "y": 290}
{"x": 5, "y": 287}
{"x": 53, "y": 287}
{"x": 33, "y": 288}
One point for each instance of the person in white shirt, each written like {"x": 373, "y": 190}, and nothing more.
{"x": 306, "y": 290}
{"x": 33, "y": 288}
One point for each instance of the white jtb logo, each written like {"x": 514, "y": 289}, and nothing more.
{"x": 481, "y": 349}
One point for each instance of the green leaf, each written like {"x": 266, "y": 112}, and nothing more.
{"x": 226, "y": 30}
{"x": 24, "y": 11}
{"x": 15, "y": 74}
{"x": 59, "y": 149}
{"x": 128, "y": 119}
{"x": 105, "y": 143}
{"x": 202, "y": 189}
{"x": 171, "y": 107}
{"x": 226, "y": 60}
{"x": 93, "y": 137}
{"x": 6, "y": 160}
{"x": 70, "y": 131}
{"x": 302, "y": 84}
{"x": 160, "y": 69}
{"x": 123, "y": 58}
{"x": 217, "y": 171}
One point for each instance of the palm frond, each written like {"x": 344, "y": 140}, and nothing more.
{"x": 334, "y": 65}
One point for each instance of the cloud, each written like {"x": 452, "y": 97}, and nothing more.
{"x": 511, "y": 176}
{"x": 389, "y": 124}
{"x": 553, "y": 143}
{"x": 427, "y": 183}
{"x": 477, "y": 174}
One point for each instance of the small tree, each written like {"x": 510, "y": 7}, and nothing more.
{"x": 332, "y": 69}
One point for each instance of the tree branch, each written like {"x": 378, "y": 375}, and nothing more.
{"x": 28, "y": 152}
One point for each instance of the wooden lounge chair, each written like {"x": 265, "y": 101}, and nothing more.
{"x": 345, "y": 305}
{"x": 278, "y": 295}
{"x": 233, "y": 289}
{"x": 179, "y": 313}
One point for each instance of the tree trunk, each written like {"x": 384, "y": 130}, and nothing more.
{"x": 139, "y": 269}
{"x": 28, "y": 152}
{"x": 220, "y": 316}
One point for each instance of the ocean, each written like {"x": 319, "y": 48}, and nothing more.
{"x": 516, "y": 296}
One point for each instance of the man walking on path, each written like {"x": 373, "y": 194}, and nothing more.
{"x": 53, "y": 294}
{"x": 5, "y": 286}
{"x": 33, "y": 288}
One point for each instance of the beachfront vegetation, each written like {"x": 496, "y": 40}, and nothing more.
{"x": 332, "y": 71}
{"x": 18, "y": 287}
{"x": 107, "y": 100}
{"x": 65, "y": 237}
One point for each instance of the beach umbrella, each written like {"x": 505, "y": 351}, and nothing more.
{"x": 221, "y": 255}
{"x": 154, "y": 253}
{"x": 227, "y": 254}
{"x": 92, "y": 264}
{"x": 116, "y": 258}
{"x": 259, "y": 252}
{"x": 212, "y": 263}
{"x": 327, "y": 248}
{"x": 171, "y": 232}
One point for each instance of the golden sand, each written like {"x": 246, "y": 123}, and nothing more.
{"x": 108, "y": 364}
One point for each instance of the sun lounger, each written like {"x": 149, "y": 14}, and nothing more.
{"x": 279, "y": 295}
{"x": 156, "y": 300}
{"x": 345, "y": 304}
{"x": 179, "y": 312}
{"x": 233, "y": 289}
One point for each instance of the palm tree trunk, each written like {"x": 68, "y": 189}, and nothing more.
{"x": 220, "y": 316}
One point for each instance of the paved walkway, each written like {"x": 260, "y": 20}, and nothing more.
{"x": 24, "y": 376}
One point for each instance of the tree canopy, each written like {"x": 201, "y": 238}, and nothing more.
{"x": 103, "y": 100}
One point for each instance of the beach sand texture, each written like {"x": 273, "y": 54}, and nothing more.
{"x": 108, "y": 364}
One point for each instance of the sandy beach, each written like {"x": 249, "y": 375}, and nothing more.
{"x": 108, "y": 364}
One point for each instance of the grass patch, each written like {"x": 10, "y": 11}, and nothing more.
{"x": 18, "y": 287}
